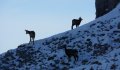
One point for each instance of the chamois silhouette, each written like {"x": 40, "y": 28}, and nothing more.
{"x": 71, "y": 52}
{"x": 76, "y": 22}
{"x": 32, "y": 36}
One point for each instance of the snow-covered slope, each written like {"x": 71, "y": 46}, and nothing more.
{"x": 98, "y": 43}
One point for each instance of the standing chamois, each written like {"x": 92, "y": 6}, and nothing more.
{"x": 71, "y": 52}
{"x": 32, "y": 35}
{"x": 76, "y": 22}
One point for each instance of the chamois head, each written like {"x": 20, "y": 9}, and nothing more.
{"x": 80, "y": 19}
{"x": 27, "y": 32}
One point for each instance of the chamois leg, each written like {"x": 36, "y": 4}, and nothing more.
{"x": 69, "y": 58}
{"x": 30, "y": 40}
{"x": 76, "y": 58}
{"x": 72, "y": 27}
{"x": 77, "y": 26}
{"x": 33, "y": 41}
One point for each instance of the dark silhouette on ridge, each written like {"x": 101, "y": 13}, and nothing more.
{"x": 32, "y": 35}
{"x": 76, "y": 22}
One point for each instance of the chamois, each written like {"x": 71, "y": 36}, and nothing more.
{"x": 76, "y": 22}
{"x": 71, "y": 52}
{"x": 32, "y": 35}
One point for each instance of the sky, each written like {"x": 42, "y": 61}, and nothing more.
{"x": 45, "y": 17}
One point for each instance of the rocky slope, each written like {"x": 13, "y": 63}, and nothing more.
{"x": 98, "y": 43}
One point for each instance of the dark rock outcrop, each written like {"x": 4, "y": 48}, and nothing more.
{"x": 104, "y": 6}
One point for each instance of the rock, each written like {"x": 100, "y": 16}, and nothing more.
{"x": 104, "y": 6}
